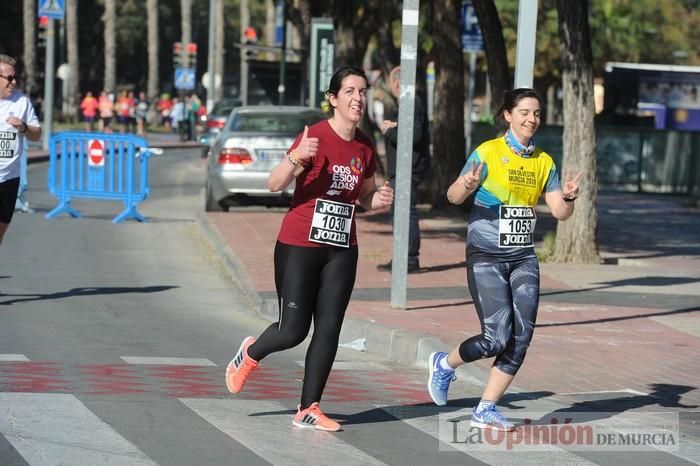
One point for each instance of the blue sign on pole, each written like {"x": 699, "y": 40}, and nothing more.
{"x": 54, "y": 9}
{"x": 472, "y": 40}
{"x": 184, "y": 78}
{"x": 279, "y": 23}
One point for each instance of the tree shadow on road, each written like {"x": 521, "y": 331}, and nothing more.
{"x": 413, "y": 411}
{"x": 619, "y": 318}
{"x": 598, "y": 407}
{"x": 86, "y": 291}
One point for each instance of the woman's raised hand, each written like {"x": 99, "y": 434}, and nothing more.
{"x": 472, "y": 178}
{"x": 570, "y": 189}
{"x": 307, "y": 148}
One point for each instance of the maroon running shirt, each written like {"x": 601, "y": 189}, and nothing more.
{"x": 336, "y": 173}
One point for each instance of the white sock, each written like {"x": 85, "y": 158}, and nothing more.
{"x": 483, "y": 404}
{"x": 445, "y": 365}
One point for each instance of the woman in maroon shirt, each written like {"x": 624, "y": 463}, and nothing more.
{"x": 316, "y": 253}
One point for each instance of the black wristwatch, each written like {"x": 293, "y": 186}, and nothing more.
{"x": 26, "y": 128}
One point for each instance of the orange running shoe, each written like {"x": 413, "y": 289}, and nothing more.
{"x": 313, "y": 418}
{"x": 240, "y": 367}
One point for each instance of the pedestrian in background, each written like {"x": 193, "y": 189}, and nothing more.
{"x": 420, "y": 164}
{"x": 164, "y": 107}
{"x": 508, "y": 175}
{"x": 89, "y": 106}
{"x": 17, "y": 121}
{"x": 177, "y": 118}
{"x": 333, "y": 164}
{"x": 141, "y": 113}
{"x": 125, "y": 110}
{"x": 106, "y": 106}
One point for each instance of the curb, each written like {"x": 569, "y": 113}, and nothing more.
{"x": 393, "y": 345}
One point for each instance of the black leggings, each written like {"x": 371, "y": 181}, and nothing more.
{"x": 8, "y": 198}
{"x": 311, "y": 283}
{"x": 506, "y": 296}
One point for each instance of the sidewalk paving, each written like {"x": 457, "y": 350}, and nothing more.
{"x": 630, "y": 325}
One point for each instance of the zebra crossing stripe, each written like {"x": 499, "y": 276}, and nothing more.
{"x": 167, "y": 361}
{"x": 355, "y": 366}
{"x": 56, "y": 428}
{"x": 262, "y": 425}
{"x": 424, "y": 419}
{"x": 13, "y": 358}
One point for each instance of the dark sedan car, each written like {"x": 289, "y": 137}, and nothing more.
{"x": 214, "y": 122}
{"x": 253, "y": 141}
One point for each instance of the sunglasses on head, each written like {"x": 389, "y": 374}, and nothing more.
{"x": 9, "y": 78}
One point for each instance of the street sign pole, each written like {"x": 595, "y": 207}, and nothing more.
{"x": 321, "y": 59}
{"x": 49, "y": 83}
{"x": 404, "y": 152}
{"x": 245, "y": 21}
{"x": 53, "y": 10}
{"x": 283, "y": 53}
{"x": 470, "y": 98}
{"x": 472, "y": 43}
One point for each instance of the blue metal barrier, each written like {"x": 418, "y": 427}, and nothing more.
{"x": 98, "y": 166}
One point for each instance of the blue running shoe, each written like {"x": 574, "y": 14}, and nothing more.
{"x": 491, "y": 418}
{"x": 439, "y": 379}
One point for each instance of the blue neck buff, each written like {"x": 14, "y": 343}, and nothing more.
{"x": 518, "y": 148}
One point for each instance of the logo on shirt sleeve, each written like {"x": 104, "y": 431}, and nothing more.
{"x": 356, "y": 165}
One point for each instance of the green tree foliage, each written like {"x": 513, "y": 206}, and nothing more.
{"x": 645, "y": 31}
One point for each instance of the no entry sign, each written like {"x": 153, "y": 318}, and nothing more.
{"x": 96, "y": 153}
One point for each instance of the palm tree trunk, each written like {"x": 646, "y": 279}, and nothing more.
{"x": 186, "y": 25}
{"x": 29, "y": 55}
{"x": 73, "y": 87}
{"x": 110, "y": 18}
{"x": 153, "y": 79}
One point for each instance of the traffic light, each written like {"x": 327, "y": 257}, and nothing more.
{"x": 250, "y": 37}
{"x": 43, "y": 26}
{"x": 192, "y": 55}
{"x": 178, "y": 60}
{"x": 184, "y": 56}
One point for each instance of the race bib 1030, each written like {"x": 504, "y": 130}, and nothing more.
{"x": 331, "y": 223}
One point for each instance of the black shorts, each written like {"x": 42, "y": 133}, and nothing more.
{"x": 8, "y": 198}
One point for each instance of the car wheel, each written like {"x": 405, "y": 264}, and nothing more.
{"x": 211, "y": 204}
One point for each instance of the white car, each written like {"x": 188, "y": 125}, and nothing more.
{"x": 253, "y": 141}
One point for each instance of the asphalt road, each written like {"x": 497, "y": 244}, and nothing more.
{"x": 114, "y": 340}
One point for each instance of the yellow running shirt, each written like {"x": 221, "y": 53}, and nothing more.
{"x": 502, "y": 221}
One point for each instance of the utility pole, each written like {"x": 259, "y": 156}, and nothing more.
{"x": 211, "y": 60}
{"x": 49, "y": 67}
{"x": 404, "y": 151}
{"x": 525, "y": 45}
{"x": 245, "y": 22}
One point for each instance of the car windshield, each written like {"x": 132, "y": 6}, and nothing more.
{"x": 272, "y": 122}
